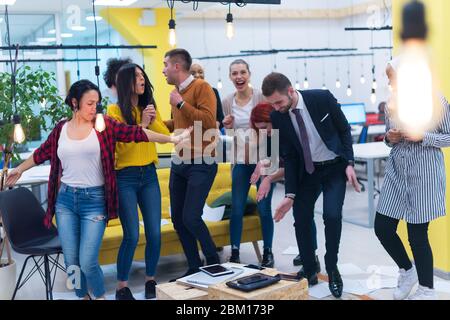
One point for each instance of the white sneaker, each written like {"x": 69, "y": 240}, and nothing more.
{"x": 406, "y": 282}
{"x": 424, "y": 293}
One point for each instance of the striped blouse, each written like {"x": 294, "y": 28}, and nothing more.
{"x": 414, "y": 184}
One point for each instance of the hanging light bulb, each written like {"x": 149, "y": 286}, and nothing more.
{"x": 99, "y": 119}
{"x": 374, "y": 84}
{"x": 19, "y": 135}
{"x": 349, "y": 91}
{"x": 230, "y": 26}
{"x": 373, "y": 97}
{"x": 363, "y": 79}
{"x": 297, "y": 85}
{"x": 415, "y": 82}
{"x": 338, "y": 83}
{"x": 172, "y": 34}
{"x": 219, "y": 84}
{"x": 306, "y": 83}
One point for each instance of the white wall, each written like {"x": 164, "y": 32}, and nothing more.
{"x": 210, "y": 40}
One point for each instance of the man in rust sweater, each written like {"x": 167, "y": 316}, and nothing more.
{"x": 192, "y": 175}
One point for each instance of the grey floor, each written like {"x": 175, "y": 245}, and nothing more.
{"x": 359, "y": 246}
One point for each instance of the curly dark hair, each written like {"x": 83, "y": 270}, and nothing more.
{"x": 112, "y": 67}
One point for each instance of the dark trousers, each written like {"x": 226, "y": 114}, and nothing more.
{"x": 189, "y": 187}
{"x": 331, "y": 180}
{"x": 386, "y": 231}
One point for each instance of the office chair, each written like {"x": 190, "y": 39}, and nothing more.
{"x": 23, "y": 217}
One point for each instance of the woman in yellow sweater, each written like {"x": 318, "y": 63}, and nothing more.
{"x": 136, "y": 177}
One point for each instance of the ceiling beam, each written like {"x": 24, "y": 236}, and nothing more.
{"x": 287, "y": 13}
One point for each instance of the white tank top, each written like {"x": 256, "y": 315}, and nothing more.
{"x": 242, "y": 121}
{"x": 80, "y": 160}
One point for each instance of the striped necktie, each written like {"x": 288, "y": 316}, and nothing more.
{"x": 304, "y": 141}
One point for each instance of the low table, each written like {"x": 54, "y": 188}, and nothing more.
{"x": 282, "y": 290}
{"x": 176, "y": 291}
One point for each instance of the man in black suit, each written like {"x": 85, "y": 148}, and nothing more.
{"x": 316, "y": 145}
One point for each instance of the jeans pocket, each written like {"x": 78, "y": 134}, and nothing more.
{"x": 95, "y": 195}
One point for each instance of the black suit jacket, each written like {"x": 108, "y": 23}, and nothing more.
{"x": 331, "y": 125}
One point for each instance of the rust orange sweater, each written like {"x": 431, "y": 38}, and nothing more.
{"x": 200, "y": 104}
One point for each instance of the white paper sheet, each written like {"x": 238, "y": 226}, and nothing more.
{"x": 213, "y": 214}
{"x": 377, "y": 282}
{"x": 291, "y": 251}
{"x": 442, "y": 286}
{"x": 319, "y": 291}
{"x": 348, "y": 269}
{"x": 390, "y": 271}
{"x": 357, "y": 287}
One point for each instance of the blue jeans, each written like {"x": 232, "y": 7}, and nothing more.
{"x": 239, "y": 191}
{"x": 139, "y": 185}
{"x": 81, "y": 221}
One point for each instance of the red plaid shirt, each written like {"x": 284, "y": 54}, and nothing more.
{"x": 115, "y": 131}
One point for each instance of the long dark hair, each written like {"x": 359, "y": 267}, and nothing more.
{"x": 126, "y": 80}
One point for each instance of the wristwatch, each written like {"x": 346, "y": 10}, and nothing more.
{"x": 351, "y": 163}
{"x": 180, "y": 105}
{"x": 290, "y": 196}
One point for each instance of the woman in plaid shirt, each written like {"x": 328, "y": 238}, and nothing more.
{"x": 82, "y": 187}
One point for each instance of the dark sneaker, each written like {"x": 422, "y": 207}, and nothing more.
{"x": 124, "y": 294}
{"x": 150, "y": 290}
{"x": 235, "y": 256}
{"x": 268, "y": 260}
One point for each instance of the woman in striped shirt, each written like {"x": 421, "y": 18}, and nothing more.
{"x": 414, "y": 191}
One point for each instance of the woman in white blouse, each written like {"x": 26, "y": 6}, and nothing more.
{"x": 237, "y": 109}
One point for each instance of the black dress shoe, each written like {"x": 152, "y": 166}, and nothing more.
{"x": 188, "y": 273}
{"x": 297, "y": 261}
{"x": 268, "y": 260}
{"x": 312, "y": 278}
{"x": 335, "y": 283}
{"x": 235, "y": 256}
{"x": 150, "y": 289}
{"x": 124, "y": 294}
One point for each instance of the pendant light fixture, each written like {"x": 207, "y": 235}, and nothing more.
{"x": 418, "y": 109}
{"x": 172, "y": 33}
{"x": 230, "y": 26}
{"x": 19, "y": 134}
{"x": 306, "y": 82}
{"x": 99, "y": 119}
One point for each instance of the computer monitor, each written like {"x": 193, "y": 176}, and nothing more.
{"x": 355, "y": 113}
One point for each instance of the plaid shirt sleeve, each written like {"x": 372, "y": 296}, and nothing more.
{"x": 126, "y": 133}
{"x": 44, "y": 152}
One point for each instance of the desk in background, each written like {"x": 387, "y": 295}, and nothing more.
{"x": 368, "y": 153}
{"x": 35, "y": 177}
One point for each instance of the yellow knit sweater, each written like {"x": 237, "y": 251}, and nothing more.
{"x": 136, "y": 154}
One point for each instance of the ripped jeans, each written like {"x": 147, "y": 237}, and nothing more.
{"x": 81, "y": 222}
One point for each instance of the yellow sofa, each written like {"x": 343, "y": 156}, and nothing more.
{"x": 170, "y": 243}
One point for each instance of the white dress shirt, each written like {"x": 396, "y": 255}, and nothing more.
{"x": 319, "y": 150}
{"x": 186, "y": 83}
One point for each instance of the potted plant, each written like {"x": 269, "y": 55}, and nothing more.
{"x": 33, "y": 88}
